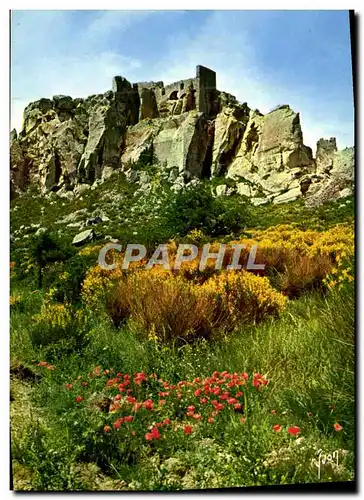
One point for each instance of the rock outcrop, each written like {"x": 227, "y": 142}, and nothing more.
{"x": 336, "y": 181}
{"x": 193, "y": 131}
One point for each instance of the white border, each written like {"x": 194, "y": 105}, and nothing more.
{"x": 4, "y": 183}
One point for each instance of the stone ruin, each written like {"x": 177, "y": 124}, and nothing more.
{"x": 155, "y": 100}
{"x": 194, "y": 130}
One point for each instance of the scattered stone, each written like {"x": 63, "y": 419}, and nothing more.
{"x": 84, "y": 237}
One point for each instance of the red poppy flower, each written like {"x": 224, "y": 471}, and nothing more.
{"x": 219, "y": 406}
{"x": 187, "y": 429}
{"x": 277, "y": 428}
{"x": 130, "y": 399}
{"x": 118, "y": 423}
{"x": 166, "y": 421}
{"x": 210, "y": 420}
{"x": 274, "y": 412}
{"x": 69, "y": 386}
{"x": 117, "y": 397}
{"x": 106, "y": 372}
{"x": 294, "y": 430}
{"x": 237, "y": 406}
{"x": 203, "y": 401}
{"x": 148, "y": 405}
{"x": 232, "y": 401}
{"x": 198, "y": 393}
{"x": 190, "y": 414}
{"x": 153, "y": 434}
{"x": 78, "y": 399}
{"x": 107, "y": 428}
{"x": 238, "y": 394}
{"x": 191, "y": 408}
{"x": 162, "y": 401}
{"x": 139, "y": 378}
{"x": 196, "y": 416}
{"x": 129, "y": 418}
{"x": 338, "y": 427}
{"x": 84, "y": 384}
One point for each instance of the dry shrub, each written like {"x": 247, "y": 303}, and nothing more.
{"x": 167, "y": 307}
{"x": 171, "y": 307}
{"x": 303, "y": 273}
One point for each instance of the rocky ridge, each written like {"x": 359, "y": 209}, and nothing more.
{"x": 192, "y": 130}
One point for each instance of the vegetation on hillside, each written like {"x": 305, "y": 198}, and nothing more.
{"x": 172, "y": 380}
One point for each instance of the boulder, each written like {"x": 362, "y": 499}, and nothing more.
{"x": 244, "y": 189}
{"x": 325, "y": 151}
{"x": 93, "y": 221}
{"x": 83, "y": 238}
{"x": 224, "y": 190}
{"x": 290, "y": 195}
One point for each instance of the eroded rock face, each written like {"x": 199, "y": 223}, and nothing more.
{"x": 271, "y": 154}
{"x": 182, "y": 142}
{"x": 67, "y": 141}
{"x": 230, "y": 125}
{"x": 336, "y": 183}
{"x": 325, "y": 151}
{"x": 192, "y": 131}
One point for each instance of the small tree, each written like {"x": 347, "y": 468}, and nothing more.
{"x": 46, "y": 248}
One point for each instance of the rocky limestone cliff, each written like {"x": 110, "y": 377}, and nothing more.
{"x": 194, "y": 130}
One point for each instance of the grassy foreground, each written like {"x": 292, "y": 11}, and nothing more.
{"x": 307, "y": 356}
{"x": 155, "y": 381}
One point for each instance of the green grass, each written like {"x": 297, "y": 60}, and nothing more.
{"x": 319, "y": 218}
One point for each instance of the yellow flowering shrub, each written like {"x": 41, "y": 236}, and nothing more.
{"x": 297, "y": 260}
{"x": 243, "y": 296}
{"x": 15, "y": 300}
{"x": 188, "y": 302}
{"x": 166, "y": 306}
{"x": 196, "y": 237}
{"x": 57, "y": 322}
{"x": 169, "y": 306}
{"x": 90, "y": 250}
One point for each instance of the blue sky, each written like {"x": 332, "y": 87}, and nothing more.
{"x": 265, "y": 58}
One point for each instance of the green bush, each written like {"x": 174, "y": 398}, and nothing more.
{"x": 47, "y": 248}
{"x": 65, "y": 278}
{"x": 196, "y": 207}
